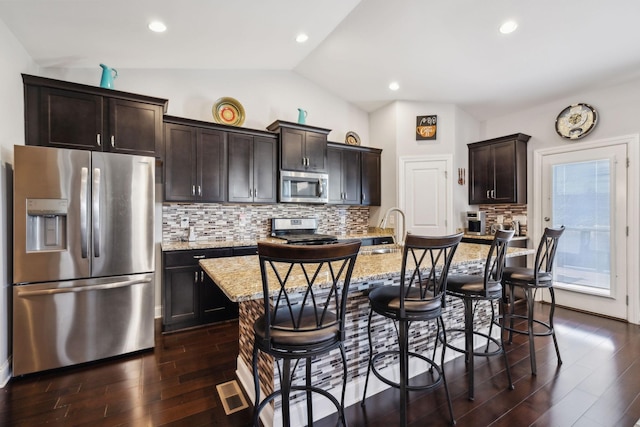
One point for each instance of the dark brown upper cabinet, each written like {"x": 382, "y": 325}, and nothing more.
{"x": 498, "y": 170}
{"x": 195, "y": 162}
{"x": 71, "y": 115}
{"x": 302, "y": 147}
{"x": 344, "y": 175}
{"x": 253, "y": 168}
{"x": 354, "y": 174}
{"x": 371, "y": 176}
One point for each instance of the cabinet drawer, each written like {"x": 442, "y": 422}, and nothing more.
{"x": 192, "y": 257}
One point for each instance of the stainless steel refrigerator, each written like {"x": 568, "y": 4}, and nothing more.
{"x": 83, "y": 256}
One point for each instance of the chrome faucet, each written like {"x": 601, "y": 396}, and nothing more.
{"x": 397, "y": 238}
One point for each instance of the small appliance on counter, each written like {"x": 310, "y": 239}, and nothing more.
{"x": 476, "y": 223}
{"x": 300, "y": 231}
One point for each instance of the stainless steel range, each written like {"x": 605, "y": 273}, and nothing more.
{"x": 300, "y": 231}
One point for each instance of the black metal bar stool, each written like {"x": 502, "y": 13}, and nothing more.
{"x": 530, "y": 280}
{"x": 418, "y": 297}
{"x": 473, "y": 290}
{"x": 305, "y": 323}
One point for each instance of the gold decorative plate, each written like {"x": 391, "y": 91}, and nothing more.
{"x": 352, "y": 138}
{"x": 228, "y": 111}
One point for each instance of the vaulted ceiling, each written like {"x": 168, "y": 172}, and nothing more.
{"x": 438, "y": 51}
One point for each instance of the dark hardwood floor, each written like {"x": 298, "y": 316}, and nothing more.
{"x": 174, "y": 385}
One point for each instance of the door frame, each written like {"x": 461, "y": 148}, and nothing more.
{"x": 633, "y": 207}
{"x": 448, "y": 159}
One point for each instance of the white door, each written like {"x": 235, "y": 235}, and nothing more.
{"x": 425, "y": 194}
{"x": 586, "y": 191}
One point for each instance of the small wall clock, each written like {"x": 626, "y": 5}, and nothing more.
{"x": 576, "y": 121}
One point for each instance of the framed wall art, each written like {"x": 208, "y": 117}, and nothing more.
{"x": 426, "y": 127}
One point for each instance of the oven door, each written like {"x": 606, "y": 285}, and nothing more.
{"x": 303, "y": 187}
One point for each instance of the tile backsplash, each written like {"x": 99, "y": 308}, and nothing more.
{"x": 228, "y": 222}
{"x": 508, "y": 212}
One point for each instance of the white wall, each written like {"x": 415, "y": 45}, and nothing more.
{"x": 393, "y": 129}
{"x": 265, "y": 95}
{"x": 618, "y": 115}
{"x": 14, "y": 61}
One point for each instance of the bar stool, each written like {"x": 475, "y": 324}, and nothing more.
{"x": 418, "y": 297}
{"x": 474, "y": 289}
{"x": 305, "y": 323}
{"x": 530, "y": 280}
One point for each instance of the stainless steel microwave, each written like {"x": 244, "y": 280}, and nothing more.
{"x": 304, "y": 187}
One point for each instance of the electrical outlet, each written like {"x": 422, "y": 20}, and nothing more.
{"x": 500, "y": 219}
{"x": 184, "y": 222}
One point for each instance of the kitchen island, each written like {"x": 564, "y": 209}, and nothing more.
{"x": 239, "y": 278}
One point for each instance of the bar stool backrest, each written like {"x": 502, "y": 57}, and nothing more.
{"x": 546, "y": 253}
{"x": 308, "y": 286}
{"x": 496, "y": 259}
{"x": 425, "y": 267}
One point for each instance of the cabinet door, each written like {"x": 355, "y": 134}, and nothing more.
{"x": 480, "y": 174}
{"x": 265, "y": 170}
{"x": 351, "y": 186}
{"x": 316, "y": 151}
{"x": 134, "y": 128}
{"x": 180, "y": 159}
{"x": 180, "y": 296}
{"x": 240, "y": 173}
{"x": 504, "y": 171}
{"x": 371, "y": 187}
{"x": 214, "y": 304}
{"x": 334, "y": 167}
{"x": 70, "y": 120}
{"x": 292, "y": 152}
{"x": 211, "y": 166}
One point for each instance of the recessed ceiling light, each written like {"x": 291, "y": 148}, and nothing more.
{"x": 394, "y": 86}
{"x": 157, "y": 27}
{"x": 508, "y": 27}
{"x": 301, "y": 38}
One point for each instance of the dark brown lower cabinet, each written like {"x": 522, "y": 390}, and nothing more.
{"x": 189, "y": 297}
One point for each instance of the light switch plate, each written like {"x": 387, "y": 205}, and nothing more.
{"x": 184, "y": 222}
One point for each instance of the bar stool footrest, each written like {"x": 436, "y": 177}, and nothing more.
{"x": 545, "y": 333}
{"x": 389, "y": 353}
{"x": 495, "y": 341}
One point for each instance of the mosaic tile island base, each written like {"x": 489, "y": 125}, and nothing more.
{"x": 239, "y": 278}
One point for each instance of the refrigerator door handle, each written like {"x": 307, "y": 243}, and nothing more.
{"x": 95, "y": 195}
{"x": 84, "y": 189}
{"x": 112, "y": 285}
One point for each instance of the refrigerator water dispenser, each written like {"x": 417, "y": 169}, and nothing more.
{"x": 46, "y": 225}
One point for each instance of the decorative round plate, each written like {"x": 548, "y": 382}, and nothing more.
{"x": 352, "y": 138}
{"x": 228, "y": 111}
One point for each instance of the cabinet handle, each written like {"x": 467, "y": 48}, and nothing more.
{"x": 364, "y": 197}
{"x": 201, "y": 276}
{"x": 193, "y": 190}
{"x": 255, "y": 192}
{"x": 493, "y": 194}
{"x": 488, "y": 196}
{"x": 98, "y": 139}
{"x": 199, "y": 190}
{"x": 113, "y": 141}
{"x": 198, "y": 257}
{"x": 251, "y": 192}
{"x": 195, "y": 277}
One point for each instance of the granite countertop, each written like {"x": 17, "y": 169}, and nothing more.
{"x": 213, "y": 244}
{"x": 490, "y": 237}
{"x": 239, "y": 277}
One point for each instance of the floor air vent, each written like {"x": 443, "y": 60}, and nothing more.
{"x": 231, "y": 396}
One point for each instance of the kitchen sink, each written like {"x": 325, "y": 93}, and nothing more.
{"x": 380, "y": 251}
